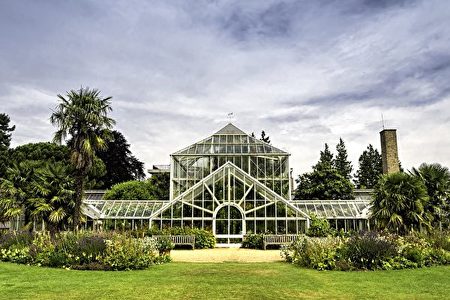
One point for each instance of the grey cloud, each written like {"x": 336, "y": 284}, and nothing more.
{"x": 297, "y": 69}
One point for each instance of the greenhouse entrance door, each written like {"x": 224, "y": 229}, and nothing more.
{"x": 229, "y": 225}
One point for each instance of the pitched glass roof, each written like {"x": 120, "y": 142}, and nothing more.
{"x": 121, "y": 209}
{"x": 230, "y": 140}
{"x": 335, "y": 209}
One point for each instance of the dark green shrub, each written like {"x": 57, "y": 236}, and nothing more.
{"x": 164, "y": 245}
{"x": 369, "y": 250}
{"x": 203, "y": 238}
{"x": 22, "y": 238}
{"x": 253, "y": 241}
{"x": 131, "y": 190}
{"x": 440, "y": 240}
{"x": 318, "y": 227}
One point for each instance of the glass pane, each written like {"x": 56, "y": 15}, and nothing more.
{"x": 222, "y": 227}
{"x": 236, "y": 227}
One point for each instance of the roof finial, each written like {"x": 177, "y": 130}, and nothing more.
{"x": 230, "y": 116}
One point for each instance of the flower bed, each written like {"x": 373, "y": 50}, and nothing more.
{"x": 84, "y": 250}
{"x": 369, "y": 251}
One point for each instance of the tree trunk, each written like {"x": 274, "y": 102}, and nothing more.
{"x": 79, "y": 188}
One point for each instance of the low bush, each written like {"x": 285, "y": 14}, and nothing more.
{"x": 439, "y": 239}
{"x": 315, "y": 253}
{"x": 10, "y": 238}
{"x": 253, "y": 241}
{"x": 164, "y": 245}
{"x": 368, "y": 250}
{"x": 124, "y": 253}
{"x": 83, "y": 251}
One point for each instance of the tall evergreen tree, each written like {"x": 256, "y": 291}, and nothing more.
{"x": 324, "y": 182}
{"x": 341, "y": 163}
{"x": 5, "y": 132}
{"x": 326, "y": 160}
{"x": 370, "y": 168}
{"x": 5, "y": 140}
{"x": 120, "y": 164}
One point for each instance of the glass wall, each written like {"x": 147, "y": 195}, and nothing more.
{"x": 231, "y": 202}
{"x": 232, "y": 184}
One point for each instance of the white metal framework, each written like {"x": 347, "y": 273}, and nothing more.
{"x": 232, "y": 184}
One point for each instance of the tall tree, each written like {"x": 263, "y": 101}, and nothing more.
{"x": 341, "y": 163}
{"x": 5, "y": 132}
{"x": 51, "y": 153}
{"x": 82, "y": 116}
{"x": 161, "y": 185}
{"x": 370, "y": 168}
{"x": 43, "y": 151}
{"x": 5, "y": 140}
{"x": 324, "y": 182}
{"x": 326, "y": 160}
{"x": 120, "y": 164}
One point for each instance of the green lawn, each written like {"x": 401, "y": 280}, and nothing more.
{"x": 219, "y": 281}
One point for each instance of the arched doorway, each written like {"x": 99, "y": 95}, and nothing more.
{"x": 229, "y": 224}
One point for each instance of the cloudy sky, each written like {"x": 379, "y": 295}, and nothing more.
{"x": 307, "y": 72}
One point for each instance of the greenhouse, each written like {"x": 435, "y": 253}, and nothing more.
{"x": 233, "y": 184}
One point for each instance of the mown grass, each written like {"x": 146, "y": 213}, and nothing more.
{"x": 221, "y": 281}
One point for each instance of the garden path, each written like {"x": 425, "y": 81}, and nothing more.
{"x": 225, "y": 255}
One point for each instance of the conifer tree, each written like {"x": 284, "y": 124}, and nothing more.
{"x": 324, "y": 182}
{"x": 370, "y": 168}
{"x": 5, "y": 132}
{"x": 341, "y": 163}
{"x": 5, "y": 140}
{"x": 326, "y": 159}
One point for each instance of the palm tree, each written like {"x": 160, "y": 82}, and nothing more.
{"x": 437, "y": 181}
{"x": 399, "y": 202}
{"x": 53, "y": 202}
{"x": 16, "y": 189}
{"x": 82, "y": 115}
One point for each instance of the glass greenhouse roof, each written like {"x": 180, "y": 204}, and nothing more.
{"x": 122, "y": 209}
{"x": 94, "y": 194}
{"x": 140, "y": 209}
{"x": 230, "y": 140}
{"x": 335, "y": 209}
{"x": 145, "y": 209}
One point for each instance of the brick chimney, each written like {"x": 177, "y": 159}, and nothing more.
{"x": 389, "y": 151}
